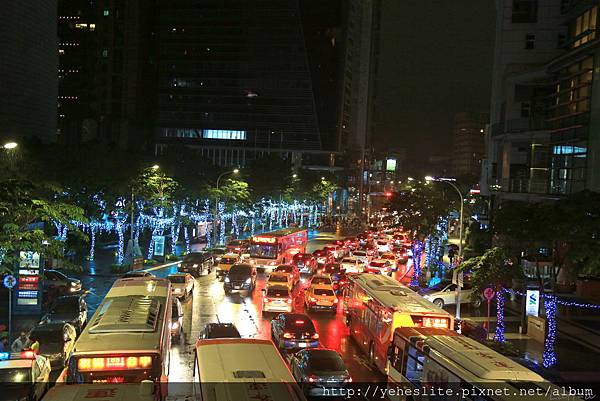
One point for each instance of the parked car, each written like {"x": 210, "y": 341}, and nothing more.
{"x": 176, "y": 319}
{"x": 316, "y": 369}
{"x": 70, "y": 309}
{"x": 444, "y": 293}
{"x": 292, "y": 270}
{"x": 182, "y": 284}
{"x": 137, "y": 273}
{"x": 60, "y": 283}
{"x": 24, "y": 376}
{"x": 196, "y": 263}
{"x": 241, "y": 277}
{"x": 57, "y": 341}
{"x": 379, "y": 266}
{"x": 320, "y": 297}
{"x": 291, "y": 331}
{"x": 277, "y": 299}
{"x": 280, "y": 279}
{"x": 305, "y": 262}
{"x": 225, "y": 264}
{"x": 220, "y": 330}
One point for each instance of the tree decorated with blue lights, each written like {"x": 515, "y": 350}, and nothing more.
{"x": 497, "y": 270}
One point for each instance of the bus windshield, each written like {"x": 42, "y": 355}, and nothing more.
{"x": 263, "y": 251}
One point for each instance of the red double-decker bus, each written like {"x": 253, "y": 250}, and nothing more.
{"x": 277, "y": 247}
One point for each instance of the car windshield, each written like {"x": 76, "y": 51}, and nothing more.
{"x": 66, "y": 306}
{"x": 278, "y": 292}
{"x": 320, "y": 280}
{"x": 240, "y": 270}
{"x": 228, "y": 261}
{"x": 278, "y": 278}
{"x": 327, "y": 362}
{"x": 360, "y": 253}
{"x": 348, "y": 261}
{"x": 17, "y": 375}
{"x": 285, "y": 269}
{"x": 381, "y": 243}
{"x": 177, "y": 279}
{"x": 377, "y": 264}
{"x": 323, "y": 292}
{"x": 389, "y": 257}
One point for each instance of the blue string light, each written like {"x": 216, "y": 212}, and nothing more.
{"x": 549, "y": 355}
{"x": 500, "y": 327}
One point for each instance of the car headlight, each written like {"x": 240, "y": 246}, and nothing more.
{"x": 73, "y": 284}
{"x": 226, "y": 279}
{"x": 248, "y": 280}
{"x": 195, "y": 265}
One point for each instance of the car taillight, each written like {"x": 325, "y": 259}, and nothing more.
{"x": 289, "y": 301}
{"x": 335, "y": 301}
{"x": 312, "y": 379}
{"x": 348, "y": 379}
{"x": 313, "y": 299}
{"x": 315, "y": 336}
{"x": 289, "y": 335}
{"x": 267, "y": 299}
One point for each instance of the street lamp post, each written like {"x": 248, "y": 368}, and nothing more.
{"x": 234, "y": 171}
{"x": 450, "y": 182}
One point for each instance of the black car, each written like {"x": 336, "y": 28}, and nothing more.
{"x": 220, "y": 330}
{"x": 196, "y": 263}
{"x": 291, "y": 331}
{"x": 57, "y": 341}
{"x": 241, "y": 277}
{"x": 70, "y": 309}
{"x": 318, "y": 368}
{"x": 59, "y": 283}
{"x": 137, "y": 273}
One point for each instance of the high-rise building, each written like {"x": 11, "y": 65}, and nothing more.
{"x": 234, "y": 81}
{"x": 28, "y": 70}
{"x": 361, "y": 53}
{"x": 469, "y": 144}
{"x": 544, "y": 139}
{"x": 125, "y": 84}
{"x": 76, "y": 68}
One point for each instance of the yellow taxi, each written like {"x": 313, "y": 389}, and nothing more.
{"x": 226, "y": 262}
{"x": 320, "y": 297}
{"x": 281, "y": 279}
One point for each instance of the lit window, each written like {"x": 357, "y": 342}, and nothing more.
{"x": 224, "y": 134}
{"x": 106, "y": 13}
{"x": 105, "y": 53}
{"x": 529, "y": 41}
{"x": 92, "y": 27}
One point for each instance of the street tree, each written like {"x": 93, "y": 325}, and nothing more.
{"x": 497, "y": 270}
{"x": 27, "y": 211}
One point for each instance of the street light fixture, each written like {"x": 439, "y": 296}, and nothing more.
{"x": 450, "y": 181}
{"x": 155, "y": 167}
{"x": 10, "y": 145}
{"x": 322, "y": 178}
{"x": 294, "y": 175}
{"x": 234, "y": 171}
{"x": 410, "y": 179}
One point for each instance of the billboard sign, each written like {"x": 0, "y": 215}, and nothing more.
{"x": 532, "y": 308}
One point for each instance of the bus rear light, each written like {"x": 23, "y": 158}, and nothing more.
{"x": 98, "y": 363}
{"x": 145, "y": 361}
{"x": 132, "y": 362}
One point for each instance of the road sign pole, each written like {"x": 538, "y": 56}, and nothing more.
{"x": 9, "y": 316}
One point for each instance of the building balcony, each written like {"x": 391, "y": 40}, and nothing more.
{"x": 518, "y": 125}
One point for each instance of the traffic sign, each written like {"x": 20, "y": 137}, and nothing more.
{"x": 10, "y": 281}
{"x": 489, "y": 293}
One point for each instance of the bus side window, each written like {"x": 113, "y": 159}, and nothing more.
{"x": 414, "y": 365}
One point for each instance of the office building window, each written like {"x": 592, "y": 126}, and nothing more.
{"x": 224, "y": 134}
{"x": 524, "y": 11}
{"x": 583, "y": 29}
{"x": 106, "y": 13}
{"x": 530, "y": 41}
{"x": 105, "y": 53}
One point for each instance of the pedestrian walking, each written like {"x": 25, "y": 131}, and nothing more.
{"x": 4, "y": 344}
{"x": 20, "y": 343}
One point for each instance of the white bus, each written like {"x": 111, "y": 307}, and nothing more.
{"x": 376, "y": 305}
{"x": 101, "y": 392}
{"x": 242, "y": 369}
{"x": 441, "y": 360}
{"x": 128, "y": 338}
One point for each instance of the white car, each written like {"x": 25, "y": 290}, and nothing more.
{"x": 182, "y": 284}
{"x": 280, "y": 279}
{"x": 363, "y": 256}
{"x": 352, "y": 265}
{"x": 379, "y": 266}
{"x": 382, "y": 246}
{"x": 277, "y": 299}
{"x": 444, "y": 293}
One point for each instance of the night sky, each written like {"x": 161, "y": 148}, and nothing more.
{"x": 436, "y": 60}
